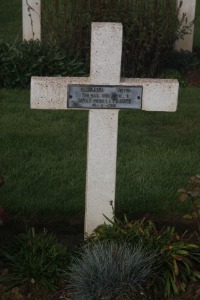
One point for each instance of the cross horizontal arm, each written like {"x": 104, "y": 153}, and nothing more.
{"x": 158, "y": 94}
{"x": 51, "y": 92}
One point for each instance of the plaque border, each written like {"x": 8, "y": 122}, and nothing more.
{"x": 101, "y": 85}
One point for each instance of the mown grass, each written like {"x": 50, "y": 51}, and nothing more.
{"x": 43, "y": 157}
{"x": 158, "y": 152}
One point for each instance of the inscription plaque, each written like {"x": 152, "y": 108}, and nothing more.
{"x": 98, "y": 96}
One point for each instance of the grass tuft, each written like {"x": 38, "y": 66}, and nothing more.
{"x": 111, "y": 271}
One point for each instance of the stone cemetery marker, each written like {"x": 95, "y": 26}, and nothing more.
{"x": 31, "y": 15}
{"x": 188, "y": 8}
{"x": 103, "y": 93}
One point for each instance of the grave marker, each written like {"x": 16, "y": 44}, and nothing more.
{"x": 188, "y": 7}
{"x": 103, "y": 87}
{"x": 31, "y": 16}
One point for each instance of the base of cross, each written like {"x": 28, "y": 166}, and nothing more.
{"x": 53, "y": 93}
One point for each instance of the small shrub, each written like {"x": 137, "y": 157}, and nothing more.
{"x": 127, "y": 231}
{"x": 192, "y": 194}
{"x": 35, "y": 259}
{"x": 196, "y": 50}
{"x": 18, "y": 63}
{"x": 173, "y": 74}
{"x": 183, "y": 61}
{"x": 178, "y": 260}
{"x": 179, "y": 263}
{"x": 108, "y": 270}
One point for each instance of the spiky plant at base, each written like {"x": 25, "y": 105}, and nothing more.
{"x": 107, "y": 270}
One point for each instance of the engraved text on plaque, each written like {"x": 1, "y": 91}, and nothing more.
{"x": 97, "y": 96}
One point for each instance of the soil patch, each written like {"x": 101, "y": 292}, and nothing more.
{"x": 68, "y": 231}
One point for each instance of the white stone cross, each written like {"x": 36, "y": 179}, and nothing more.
{"x": 105, "y": 68}
{"x": 31, "y": 19}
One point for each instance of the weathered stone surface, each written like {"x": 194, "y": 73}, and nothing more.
{"x": 158, "y": 94}
{"x": 31, "y": 16}
{"x": 51, "y": 92}
{"x": 101, "y": 166}
{"x": 106, "y": 52}
{"x": 188, "y": 7}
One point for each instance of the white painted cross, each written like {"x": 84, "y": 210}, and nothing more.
{"x": 52, "y": 93}
{"x": 31, "y": 16}
{"x": 187, "y": 7}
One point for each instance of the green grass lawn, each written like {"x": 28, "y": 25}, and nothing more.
{"x": 43, "y": 153}
{"x": 43, "y": 157}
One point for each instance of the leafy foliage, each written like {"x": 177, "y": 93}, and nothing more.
{"x": 179, "y": 264}
{"x": 183, "y": 61}
{"x": 177, "y": 63}
{"x": 109, "y": 270}
{"x": 150, "y": 29}
{"x": 178, "y": 260}
{"x": 173, "y": 74}
{"x": 126, "y": 231}
{"x": 18, "y": 63}
{"x": 192, "y": 194}
{"x": 35, "y": 258}
{"x": 196, "y": 50}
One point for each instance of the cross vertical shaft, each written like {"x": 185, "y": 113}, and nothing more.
{"x": 106, "y": 50}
